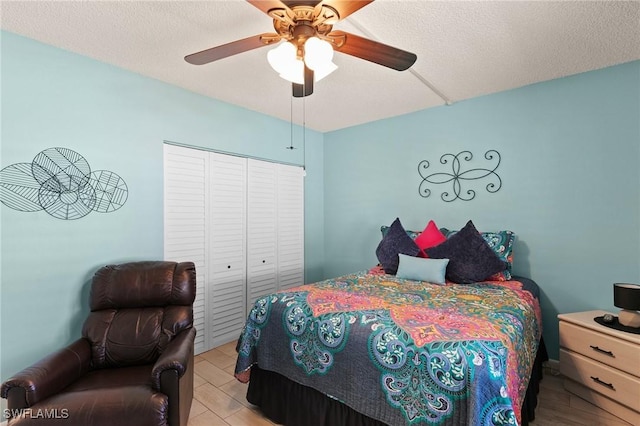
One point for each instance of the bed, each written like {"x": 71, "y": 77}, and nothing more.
{"x": 374, "y": 348}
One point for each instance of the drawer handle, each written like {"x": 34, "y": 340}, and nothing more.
{"x": 600, "y": 382}
{"x": 602, "y": 351}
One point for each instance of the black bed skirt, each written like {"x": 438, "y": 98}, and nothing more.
{"x": 296, "y": 405}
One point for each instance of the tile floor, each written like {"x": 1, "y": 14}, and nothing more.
{"x": 219, "y": 399}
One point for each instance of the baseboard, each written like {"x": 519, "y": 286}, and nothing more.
{"x": 551, "y": 367}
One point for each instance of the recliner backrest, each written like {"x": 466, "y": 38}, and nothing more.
{"x": 136, "y": 310}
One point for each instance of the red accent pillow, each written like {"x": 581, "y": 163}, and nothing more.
{"x": 430, "y": 237}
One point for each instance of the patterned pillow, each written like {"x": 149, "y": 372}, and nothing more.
{"x": 394, "y": 242}
{"x": 502, "y": 244}
{"x": 470, "y": 257}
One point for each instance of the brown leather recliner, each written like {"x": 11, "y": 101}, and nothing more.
{"x": 134, "y": 363}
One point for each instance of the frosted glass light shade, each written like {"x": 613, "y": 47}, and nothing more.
{"x": 294, "y": 72}
{"x": 318, "y": 57}
{"x": 317, "y": 53}
{"x": 321, "y": 72}
{"x": 282, "y": 57}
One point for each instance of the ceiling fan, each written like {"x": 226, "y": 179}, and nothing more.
{"x": 299, "y": 21}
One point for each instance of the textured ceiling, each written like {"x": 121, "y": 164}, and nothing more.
{"x": 465, "y": 49}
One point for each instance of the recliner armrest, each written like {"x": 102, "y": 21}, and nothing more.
{"x": 175, "y": 357}
{"x": 48, "y": 376}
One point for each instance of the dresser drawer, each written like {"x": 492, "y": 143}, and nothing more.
{"x": 608, "y": 350}
{"x": 599, "y": 400}
{"x": 620, "y": 387}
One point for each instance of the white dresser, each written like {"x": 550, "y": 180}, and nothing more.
{"x": 601, "y": 364}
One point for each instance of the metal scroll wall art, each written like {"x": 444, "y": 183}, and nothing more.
{"x": 459, "y": 176}
{"x": 61, "y": 182}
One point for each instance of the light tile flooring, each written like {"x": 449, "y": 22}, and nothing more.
{"x": 219, "y": 399}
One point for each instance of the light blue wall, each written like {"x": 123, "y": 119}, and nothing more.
{"x": 117, "y": 120}
{"x": 570, "y": 149}
{"x": 570, "y": 169}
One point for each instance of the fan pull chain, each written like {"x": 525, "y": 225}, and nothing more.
{"x": 291, "y": 123}
{"x": 304, "y": 129}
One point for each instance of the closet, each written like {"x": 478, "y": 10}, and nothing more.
{"x": 241, "y": 221}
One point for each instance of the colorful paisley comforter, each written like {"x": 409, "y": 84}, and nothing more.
{"x": 401, "y": 351}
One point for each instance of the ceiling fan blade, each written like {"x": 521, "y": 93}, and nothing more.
{"x": 373, "y": 51}
{"x": 267, "y": 5}
{"x": 229, "y": 49}
{"x": 306, "y": 89}
{"x": 346, "y": 7}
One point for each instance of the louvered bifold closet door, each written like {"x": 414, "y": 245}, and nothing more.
{"x": 227, "y": 242}
{"x": 262, "y": 221}
{"x": 186, "y": 179}
{"x": 290, "y": 226}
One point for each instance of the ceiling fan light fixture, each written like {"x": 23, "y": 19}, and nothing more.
{"x": 294, "y": 72}
{"x": 322, "y": 71}
{"x": 317, "y": 52}
{"x": 318, "y": 55}
{"x": 283, "y": 58}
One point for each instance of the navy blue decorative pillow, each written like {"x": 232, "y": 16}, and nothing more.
{"x": 471, "y": 259}
{"x": 394, "y": 242}
{"x": 412, "y": 234}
